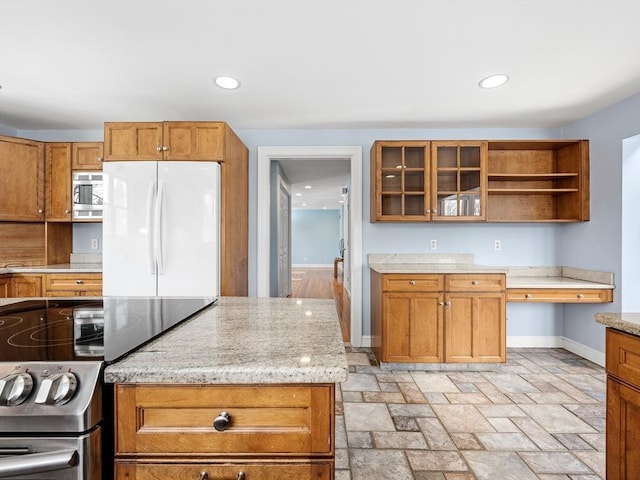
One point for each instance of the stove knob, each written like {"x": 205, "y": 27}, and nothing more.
{"x": 57, "y": 389}
{"x": 15, "y": 388}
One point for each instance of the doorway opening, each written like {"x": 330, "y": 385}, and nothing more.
{"x": 630, "y": 254}
{"x": 354, "y": 155}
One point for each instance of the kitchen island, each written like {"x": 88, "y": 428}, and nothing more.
{"x": 245, "y": 389}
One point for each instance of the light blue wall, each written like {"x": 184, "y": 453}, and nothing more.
{"x": 82, "y": 235}
{"x": 7, "y": 130}
{"x": 598, "y": 244}
{"x": 314, "y": 236}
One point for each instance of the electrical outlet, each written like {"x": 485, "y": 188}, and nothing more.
{"x": 497, "y": 245}
{"x": 433, "y": 244}
{"x": 94, "y": 244}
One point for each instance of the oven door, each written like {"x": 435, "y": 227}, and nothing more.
{"x": 51, "y": 458}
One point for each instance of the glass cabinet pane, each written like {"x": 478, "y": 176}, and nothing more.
{"x": 391, "y": 157}
{"x": 414, "y": 181}
{"x": 414, "y": 205}
{"x": 391, "y": 182}
{"x": 469, "y": 157}
{"x": 414, "y": 157}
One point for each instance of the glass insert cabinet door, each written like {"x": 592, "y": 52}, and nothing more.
{"x": 459, "y": 180}
{"x": 401, "y": 172}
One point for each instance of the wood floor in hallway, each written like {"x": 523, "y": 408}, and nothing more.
{"x": 319, "y": 282}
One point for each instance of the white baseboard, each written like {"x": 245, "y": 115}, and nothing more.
{"x": 591, "y": 354}
{"x": 534, "y": 342}
{"x": 579, "y": 349}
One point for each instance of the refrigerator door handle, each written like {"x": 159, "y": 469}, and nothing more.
{"x": 158, "y": 225}
{"x": 150, "y": 232}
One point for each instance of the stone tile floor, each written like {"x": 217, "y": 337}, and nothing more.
{"x": 541, "y": 416}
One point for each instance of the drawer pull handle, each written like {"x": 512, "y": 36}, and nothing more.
{"x": 241, "y": 476}
{"x": 412, "y": 282}
{"x": 528, "y": 295}
{"x": 474, "y": 282}
{"x": 441, "y": 304}
{"x": 448, "y": 304}
{"x": 79, "y": 282}
{"x": 580, "y": 295}
{"x": 222, "y": 422}
{"x": 204, "y": 475}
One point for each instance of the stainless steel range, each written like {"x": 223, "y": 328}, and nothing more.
{"x": 56, "y": 415}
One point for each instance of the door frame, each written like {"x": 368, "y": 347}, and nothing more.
{"x": 354, "y": 154}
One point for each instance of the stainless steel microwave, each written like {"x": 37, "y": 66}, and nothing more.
{"x": 87, "y": 195}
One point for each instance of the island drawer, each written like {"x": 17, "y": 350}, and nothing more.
{"x": 178, "y": 419}
{"x": 393, "y": 282}
{"x": 316, "y": 470}
{"x": 560, "y": 295}
{"x": 476, "y": 282}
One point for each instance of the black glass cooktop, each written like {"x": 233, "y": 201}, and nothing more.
{"x": 88, "y": 330}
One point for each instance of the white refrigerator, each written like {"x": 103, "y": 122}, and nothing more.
{"x": 161, "y": 229}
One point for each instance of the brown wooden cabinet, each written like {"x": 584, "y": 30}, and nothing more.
{"x": 623, "y": 405}
{"x": 87, "y": 156}
{"x": 538, "y": 181}
{"x": 270, "y": 431}
{"x": 494, "y": 181}
{"x": 562, "y": 295}
{"x": 22, "y": 170}
{"x": 26, "y": 285}
{"x": 431, "y": 318}
{"x": 165, "y": 141}
{"x": 5, "y": 286}
{"x": 73, "y": 285}
{"x": 58, "y": 182}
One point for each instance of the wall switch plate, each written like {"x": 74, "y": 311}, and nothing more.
{"x": 94, "y": 244}
{"x": 497, "y": 245}
{"x": 433, "y": 244}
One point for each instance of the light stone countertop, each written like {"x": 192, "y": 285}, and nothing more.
{"x": 517, "y": 277}
{"x": 244, "y": 341}
{"x": 626, "y": 322}
{"x": 60, "y": 268}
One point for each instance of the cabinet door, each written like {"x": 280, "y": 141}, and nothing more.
{"x": 72, "y": 284}
{"x": 193, "y": 141}
{"x": 21, "y": 180}
{"x": 412, "y": 327}
{"x": 459, "y": 181}
{"x": 87, "y": 156}
{"x": 58, "y": 182}
{"x": 132, "y": 141}
{"x": 5, "y": 286}
{"x": 400, "y": 181}
{"x": 475, "y": 327}
{"x": 26, "y": 285}
{"x": 623, "y": 430}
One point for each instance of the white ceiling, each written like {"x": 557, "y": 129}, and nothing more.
{"x": 74, "y": 64}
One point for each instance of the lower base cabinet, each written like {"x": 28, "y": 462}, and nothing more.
{"x": 234, "y": 432}
{"x": 433, "y": 318}
{"x": 623, "y": 405}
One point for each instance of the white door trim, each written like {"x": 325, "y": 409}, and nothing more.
{"x": 354, "y": 154}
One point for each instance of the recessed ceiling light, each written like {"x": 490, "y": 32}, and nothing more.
{"x": 228, "y": 83}
{"x": 307, "y": 186}
{"x": 493, "y": 81}
{"x": 298, "y": 194}
{"x": 304, "y": 204}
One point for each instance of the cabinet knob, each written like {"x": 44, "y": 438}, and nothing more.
{"x": 427, "y": 211}
{"x": 79, "y": 282}
{"x": 528, "y": 295}
{"x": 441, "y": 304}
{"x": 580, "y": 295}
{"x": 67, "y": 211}
{"x": 412, "y": 282}
{"x": 158, "y": 149}
{"x": 204, "y": 475}
{"x": 241, "y": 476}
{"x": 165, "y": 148}
{"x": 474, "y": 282}
{"x": 448, "y": 304}
{"x": 100, "y": 159}
{"x": 222, "y": 421}
{"x": 40, "y": 210}
{"x": 434, "y": 211}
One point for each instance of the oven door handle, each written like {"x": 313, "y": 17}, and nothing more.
{"x": 37, "y": 463}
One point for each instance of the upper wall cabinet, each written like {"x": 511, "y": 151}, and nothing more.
{"x": 420, "y": 181}
{"x": 494, "y": 181}
{"x": 538, "y": 181}
{"x": 21, "y": 180}
{"x": 58, "y": 182}
{"x": 164, "y": 141}
{"x": 87, "y": 156}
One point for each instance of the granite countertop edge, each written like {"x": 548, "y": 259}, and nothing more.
{"x": 244, "y": 340}
{"x": 625, "y": 322}
{"x": 58, "y": 268}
